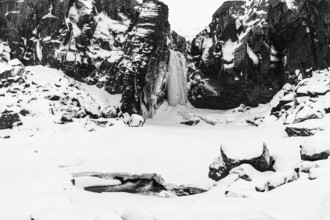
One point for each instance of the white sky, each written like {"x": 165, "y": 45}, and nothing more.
{"x": 189, "y": 17}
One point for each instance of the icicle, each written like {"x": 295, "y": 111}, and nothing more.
{"x": 51, "y": 8}
{"x": 177, "y": 79}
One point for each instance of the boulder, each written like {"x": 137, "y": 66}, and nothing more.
{"x": 276, "y": 180}
{"x": 231, "y": 156}
{"x": 68, "y": 116}
{"x": 109, "y": 112}
{"x": 301, "y": 132}
{"x": 317, "y": 148}
{"x": 8, "y": 119}
{"x": 91, "y": 108}
{"x": 136, "y": 121}
{"x": 306, "y": 113}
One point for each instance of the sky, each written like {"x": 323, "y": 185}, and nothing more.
{"x": 189, "y": 17}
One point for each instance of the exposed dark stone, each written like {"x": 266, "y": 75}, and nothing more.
{"x": 223, "y": 164}
{"x": 190, "y": 122}
{"x": 300, "y": 132}
{"x": 8, "y": 120}
{"x": 132, "y": 184}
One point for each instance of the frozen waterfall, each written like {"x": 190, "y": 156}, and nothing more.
{"x": 177, "y": 79}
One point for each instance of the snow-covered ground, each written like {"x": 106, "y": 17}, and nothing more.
{"x": 38, "y": 161}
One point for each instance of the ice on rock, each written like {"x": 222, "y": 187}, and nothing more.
{"x": 177, "y": 79}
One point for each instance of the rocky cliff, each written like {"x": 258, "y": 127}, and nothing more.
{"x": 252, "y": 48}
{"x": 119, "y": 45}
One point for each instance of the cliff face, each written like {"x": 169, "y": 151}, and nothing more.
{"x": 119, "y": 45}
{"x": 250, "y": 48}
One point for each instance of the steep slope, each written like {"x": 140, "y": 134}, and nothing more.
{"x": 252, "y": 48}
{"x": 121, "y": 46}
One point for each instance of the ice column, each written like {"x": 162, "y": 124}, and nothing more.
{"x": 177, "y": 79}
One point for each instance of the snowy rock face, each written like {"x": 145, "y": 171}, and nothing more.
{"x": 250, "y": 47}
{"x": 308, "y": 99}
{"x": 121, "y": 46}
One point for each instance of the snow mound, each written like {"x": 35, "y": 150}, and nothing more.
{"x": 137, "y": 213}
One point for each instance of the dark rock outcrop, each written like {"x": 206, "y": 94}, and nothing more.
{"x": 251, "y": 48}
{"x": 221, "y": 167}
{"x": 119, "y": 45}
{"x": 8, "y": 120}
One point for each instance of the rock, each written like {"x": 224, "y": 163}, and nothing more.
{"x": 141, "y": 184}
{"x": 249, "y": 60}
{"x": 301, "y": 132}
{"x": 8, "y": 120}
{"x": 306, "y": 166}
{"x": 232, "y": 156}
{"x": 25, "y": 112}
{"x": 136, "y": 121}
{"x": 316, "y": 148}
{"x": 190, "y": 122}
{"x": 129, "y": 58}
{"x": 109, "y": 112}
{"x": 252, "y": 123}
{"x": 277, "y": 180}
{"x": 307, "y": 113}
{"x": 145, "y": 184}
{"x": 90, "y": 107}
{"x": 126, "y": 118}
{"x": 68, "y": 116}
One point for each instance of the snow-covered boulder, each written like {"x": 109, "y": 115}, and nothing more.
{"x": 234, "y": 155}
{"x": 301, "y": 132}
{"x": 276, "y": 180}
{"x": 317, "y": 148}
{"x": 91, "y": 108}
{"x": 307, "y": 112}
{"x": 136, "y": 121}
{"x": 109, "y": 112}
